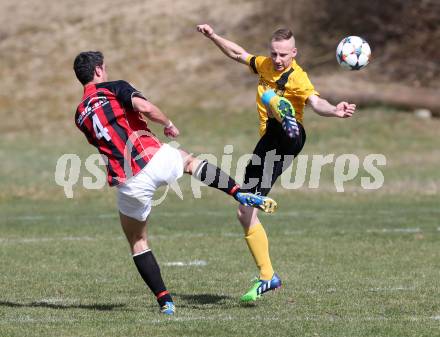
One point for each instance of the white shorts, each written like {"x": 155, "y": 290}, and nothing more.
{"x": 134, "y": 197}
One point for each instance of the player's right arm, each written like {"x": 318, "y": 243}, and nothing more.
{"x": 229, "y": 48}
{"x": 154, "y": 114}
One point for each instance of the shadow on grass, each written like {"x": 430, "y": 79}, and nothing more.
{"x": 98, "y": 307}
{"x": 204, "y": 301}
{"x": 203, "y": 298}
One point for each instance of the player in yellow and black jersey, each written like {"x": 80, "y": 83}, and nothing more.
{"x": 292, "y": 83}
{"x": 276, "y": 148}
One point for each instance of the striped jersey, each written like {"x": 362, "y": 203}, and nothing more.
{"x": 107, "y": 119}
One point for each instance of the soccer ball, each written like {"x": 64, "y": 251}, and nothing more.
{"x": 353, "y": 53}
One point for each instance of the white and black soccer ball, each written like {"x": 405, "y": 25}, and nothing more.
{"x": 353, "y": 53}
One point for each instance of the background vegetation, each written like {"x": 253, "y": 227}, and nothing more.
{"x": 155, "y": 46}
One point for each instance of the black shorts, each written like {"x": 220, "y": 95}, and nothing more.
{"x": 273, "y": 154}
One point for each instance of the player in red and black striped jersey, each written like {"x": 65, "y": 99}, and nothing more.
{"x": 111, "y": 116}
{"x": 109, "y": 104}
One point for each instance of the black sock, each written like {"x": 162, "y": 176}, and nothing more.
{"x": 213, "y": 176}
{"x": 149, "y": 269}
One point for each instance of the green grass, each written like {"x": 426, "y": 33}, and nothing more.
{"x": 353, "y": 264}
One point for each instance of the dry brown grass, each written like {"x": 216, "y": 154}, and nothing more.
{"x": 152, "y": 44}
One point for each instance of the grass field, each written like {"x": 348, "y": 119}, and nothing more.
{"x": 358, "y": 263}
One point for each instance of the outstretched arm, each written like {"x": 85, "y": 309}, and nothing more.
{"x": 229, "y": 48}
{"x": 154, "y": 114}
{"x": 324, "y": 108}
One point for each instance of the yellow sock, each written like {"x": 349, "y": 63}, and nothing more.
{"x": 258, "y": 244}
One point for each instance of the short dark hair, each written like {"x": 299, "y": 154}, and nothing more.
{"x": 282, "y": 34}
{"x": 85, "y": 64}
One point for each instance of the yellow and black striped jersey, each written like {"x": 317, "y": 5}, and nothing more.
{"x": 292, "y": 83}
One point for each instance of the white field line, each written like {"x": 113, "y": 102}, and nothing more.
{"x": 32, "y": 320}
{"x": 198, "y": 263}
{"x": 393, "y": 289}
{"x": 317, "y": 318}
{"x": 232, "y": 235}
{"x": 394, "y": 230}
{"x": 188, "y": 235}
{"x": 87, "y": 238}
{"x": 66, "y": 301}
{"x": 300, "y": 318}
{"x": 167, "y": 320}
{"x": 42, "y": 239}
{"x": 114, "y": 215}
{"x": 114, "y": 238}
{"x": 206, "y": 212}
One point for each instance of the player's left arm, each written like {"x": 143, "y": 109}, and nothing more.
{"x": 322, "y": 107}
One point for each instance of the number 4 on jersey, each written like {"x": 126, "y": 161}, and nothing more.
{"x": 100, "y": 131}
